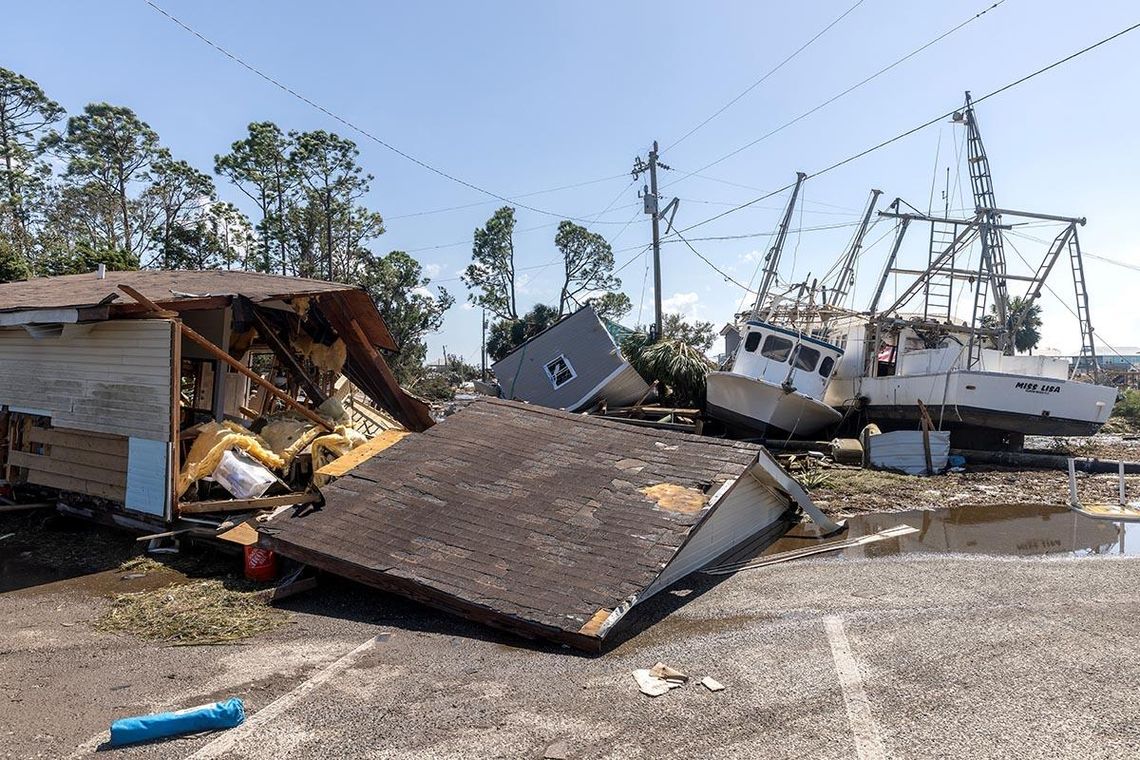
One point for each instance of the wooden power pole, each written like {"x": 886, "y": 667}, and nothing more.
{"x": 650, "y": 197}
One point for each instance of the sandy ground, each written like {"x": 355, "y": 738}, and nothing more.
{"x": 925, "y": 655}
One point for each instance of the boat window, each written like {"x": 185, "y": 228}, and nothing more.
{"x": 805, "y": 358}
{"x": 776, "y": 348}
{"x": 560, "y": 372}
{"x": 752, "y": 341}
{"x": 826, "y": 366}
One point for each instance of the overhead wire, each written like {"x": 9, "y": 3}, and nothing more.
{"x": 765, "y": 77}
{"x": 492, "y": 200}
{"x": 920, "y": 127}
{"x": 845, "y": 92}
{"x": 351, "y": 125}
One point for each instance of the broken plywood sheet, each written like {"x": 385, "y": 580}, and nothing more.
{"x": 521, "y": 517}
{"x": 362, "y": 453}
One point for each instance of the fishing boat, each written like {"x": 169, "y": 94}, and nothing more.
{"x": 777, "y": 379}
{"x": 916, "y": 351}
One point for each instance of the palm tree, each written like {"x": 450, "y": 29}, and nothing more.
{"x": 1029, "y": 334}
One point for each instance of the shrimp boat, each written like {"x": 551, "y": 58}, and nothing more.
{"x": 778, "y": 377}
{"x": 916, "y": 351}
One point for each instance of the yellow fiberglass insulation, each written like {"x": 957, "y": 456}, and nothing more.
{"x": 333, "y": 446}
{"x": 214, "y": 440}
{"x": 329, "y": 358}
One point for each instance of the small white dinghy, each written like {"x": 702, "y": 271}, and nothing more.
{"x": 777, "y": 382}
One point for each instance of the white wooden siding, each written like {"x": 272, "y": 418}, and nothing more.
{"x": 748, "y": 508}
{"x": 109, "y": 377}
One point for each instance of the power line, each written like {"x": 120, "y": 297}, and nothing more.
{"x": 285, "y": 88}
{"x": 849, "y": 90}
{"x": 714, "y": 267}
{"x": 924, "y": 125}
{"x": 762, "y": 79}
{"x": 524, "y": 195}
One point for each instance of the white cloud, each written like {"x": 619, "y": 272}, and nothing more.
{"x": 752, "y": 256}
{"x": 422, "y": 291}
{"x": 686, "y": 304}
{"x": 432, "y": 270}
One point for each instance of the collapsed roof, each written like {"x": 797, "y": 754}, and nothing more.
{"x": 346, "y": 309}
{"x": 538, "y": 521}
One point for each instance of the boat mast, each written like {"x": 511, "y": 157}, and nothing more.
{"x": 772, "y": 260}
{"x": 991, "y": 269}
{"x": 846, "y": 278}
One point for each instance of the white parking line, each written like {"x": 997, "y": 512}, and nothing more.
{"x": 226, "y": 742}
{"x": 868, "y": 742}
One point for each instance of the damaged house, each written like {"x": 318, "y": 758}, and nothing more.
{"x": 125, "y": 391}
{"x": 572, "y": 365}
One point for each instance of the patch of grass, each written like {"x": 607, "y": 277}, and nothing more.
{"x": 203, "y": 612}
{"x": 1128, "y": 406}
{"x": 815, "y": 480}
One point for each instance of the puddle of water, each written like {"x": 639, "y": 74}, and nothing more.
{"x": 18, "y": 573}
{"x": 1022, "y": 530}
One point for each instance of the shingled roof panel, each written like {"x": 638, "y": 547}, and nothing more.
{"x": 519, "y": 516}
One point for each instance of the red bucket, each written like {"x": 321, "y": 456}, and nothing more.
{"x": 260, "y": 564}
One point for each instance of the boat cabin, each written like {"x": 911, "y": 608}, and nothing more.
{"x": 785, "y": 357}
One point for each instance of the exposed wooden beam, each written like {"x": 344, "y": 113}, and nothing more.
{"x": 158, "y": 310}
{"x": 269, "y": 387}
{"x": 286, "y": 356}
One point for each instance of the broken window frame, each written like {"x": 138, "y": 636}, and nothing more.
{"x": 553, "y": 375}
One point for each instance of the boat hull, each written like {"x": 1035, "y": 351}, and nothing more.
{"x": 1020, "y": 404}
{"x": 760, "y": 406}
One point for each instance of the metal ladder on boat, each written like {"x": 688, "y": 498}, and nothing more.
{"x": 1088, "y": 347}
{"x": 992, "y": 265}
{"x": 939, "y": 288}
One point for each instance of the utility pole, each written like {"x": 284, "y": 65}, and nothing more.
{"x": 649, "y": 195}
{"x": 483, "y": 348}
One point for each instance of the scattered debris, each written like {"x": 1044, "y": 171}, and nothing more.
{"x": 712, "y": 684}
{"x": 807, "y": 551}
{"x": 210, "y": 717}
{"x": 659, "y": 679}
{"x": 904, "y": 451}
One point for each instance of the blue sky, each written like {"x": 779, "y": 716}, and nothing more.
{"x": 518, "y": 97}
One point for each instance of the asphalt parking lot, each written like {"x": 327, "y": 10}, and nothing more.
{"x": 912, "y": 656}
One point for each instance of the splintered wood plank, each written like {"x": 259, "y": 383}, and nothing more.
{"x": 240, "y": 505}
{"x": 362, "y": 453}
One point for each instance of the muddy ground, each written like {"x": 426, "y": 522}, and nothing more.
{"x": 851, "y": 490}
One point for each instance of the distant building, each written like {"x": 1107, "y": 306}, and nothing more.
{"x": 572, "y": 365}
{"x": 1127, "y": 360}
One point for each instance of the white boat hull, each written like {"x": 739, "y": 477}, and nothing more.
{"x": 758, "y": 405}
{"x": 1023, "y": 404}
